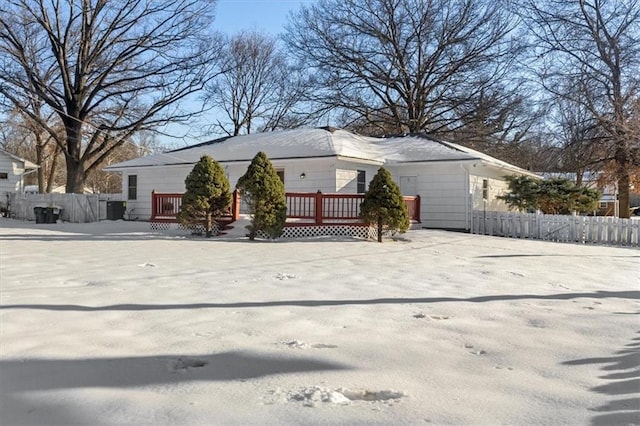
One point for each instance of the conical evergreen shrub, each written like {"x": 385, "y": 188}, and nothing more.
{"x": 263, "y": 191}
{"x": 383, "y": 204}
{"x": 207, "y": 195}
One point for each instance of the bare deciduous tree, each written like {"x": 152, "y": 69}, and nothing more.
{"x": 403, "y": 65}
{"x": 23, "y": 136}
{"x": 595, "y": 46}
{"x": 579, "y": 137}
{"x": 107, "y": 69}
{"x": 257, "y": 89}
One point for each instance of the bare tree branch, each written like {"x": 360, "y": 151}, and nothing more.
{"x": 589, "y": 55}
{"x": 107, "y": 69}
{"x": 408, "y": 65}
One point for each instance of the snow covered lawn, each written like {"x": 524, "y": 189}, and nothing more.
{"x": 111, "y": 323}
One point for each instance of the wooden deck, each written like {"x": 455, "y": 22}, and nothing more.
{"x": 303, "y": 208}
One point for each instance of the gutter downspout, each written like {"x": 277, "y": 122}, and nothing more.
{"x": 467, "y": 203}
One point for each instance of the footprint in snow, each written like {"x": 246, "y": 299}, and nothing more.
{"x": 477, "y": 352}
{"x": 284, "y": 276}
{"x": 311, "y": 396}
{"x": 323, "y": 346}
{"x": 147, "y": 265}
{"x": 537, "y": 323}
{"x": 439, "y": 317}
{"x": 202, "y": 334}
{"x": 97, "y": 283}
{"x": 297, "y": 344}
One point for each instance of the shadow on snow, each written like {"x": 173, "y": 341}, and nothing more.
{"x": 23, "y": 380}
{"x": 623, "y": 375}
{"x": 316, "y": 303}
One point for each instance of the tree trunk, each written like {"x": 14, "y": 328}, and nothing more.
{"x": 379, "y": 229}
{"x": 52, "y": 170}
{"x": 41, "y": 171}
{"x": 208, "y": 225}
{"x": 75, "y": 177}
{"x": 75, "y": 166}
{"x": 623, "y": 192}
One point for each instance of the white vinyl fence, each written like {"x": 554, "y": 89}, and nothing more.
{"x": 77, "y": 208}
{"x": 561, "y": 228}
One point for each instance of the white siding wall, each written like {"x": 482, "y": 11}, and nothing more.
{"x": 347, "y": 176}
{"x": 443, "y": 191}
{"x": 14, "y": 171}
{"x": 320, "y": 174}
{"x": 496, "y": 186}
{"x": 160, "y": 179}
{"x": 346, "y": 181}
{"x": 448, "y": 191}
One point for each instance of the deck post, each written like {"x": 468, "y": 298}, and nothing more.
{"x": 153, "y": 204}
{"x": 318, "y": 209}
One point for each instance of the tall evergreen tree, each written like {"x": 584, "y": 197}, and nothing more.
{"x": 207, "y": 196}
{"x": 383, "y": 204}
{"x": 263, "y": 191}
{"x": 553, "y": 196}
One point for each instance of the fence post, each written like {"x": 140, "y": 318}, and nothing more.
{"x": 235, "y": 207}
{"x": 318, "y": 212}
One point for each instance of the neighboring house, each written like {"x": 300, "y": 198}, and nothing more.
{"x": 12, "y": 172}
{"x": 452, "y": 180}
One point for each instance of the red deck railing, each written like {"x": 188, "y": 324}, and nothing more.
{"x": 165, "y": 206}
{"x": 307, "y": 207}
{"x": 321, "y": 207}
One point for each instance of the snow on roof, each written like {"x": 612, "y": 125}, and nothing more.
{"x": 314, "y": 143}
{"x": 285, "y": 144}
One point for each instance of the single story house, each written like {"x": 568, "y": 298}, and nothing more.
{"x": 12, "y": 172}
{"x": 452, "y": 180}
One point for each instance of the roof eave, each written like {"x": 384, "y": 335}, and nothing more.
{"x": 511, "y": 167}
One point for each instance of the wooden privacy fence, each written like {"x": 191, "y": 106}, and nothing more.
{"x": 305, "y": 207}
{"x": 561, "y": 228}
{"x": 77, "y": 208}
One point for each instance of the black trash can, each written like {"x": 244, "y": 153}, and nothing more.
{"x": 50, "y": 215}
{"x": 40, "y": 215}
